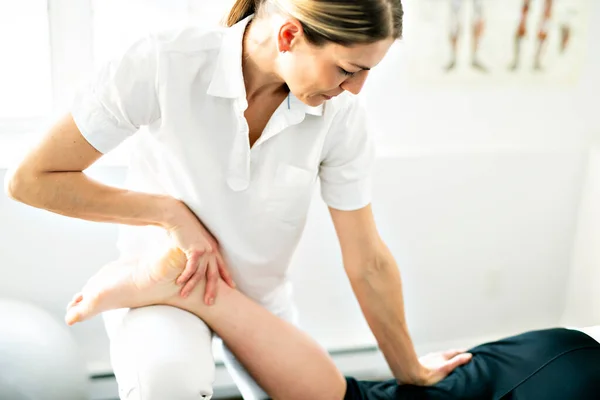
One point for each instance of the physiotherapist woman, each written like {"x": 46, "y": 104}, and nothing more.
{"x": 240, "y": 122}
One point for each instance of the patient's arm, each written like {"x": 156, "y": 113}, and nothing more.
{"x": 286, "y": 362}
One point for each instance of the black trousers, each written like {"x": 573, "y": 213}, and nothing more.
{"x": 551, "y": 364}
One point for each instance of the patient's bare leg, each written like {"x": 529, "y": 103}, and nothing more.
{"x": 286, "y": 362}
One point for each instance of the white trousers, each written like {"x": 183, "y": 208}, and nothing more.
{"x": 162, "y": 352}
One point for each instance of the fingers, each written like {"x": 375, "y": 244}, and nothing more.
{"x": 199, "y": 274}
{"x": 190, "y": 268}
{"x": 448, "y": 354}
{"x": 457, "y": 361}
{"x": 224, "y": 272}
{"x": 212, "y": 276}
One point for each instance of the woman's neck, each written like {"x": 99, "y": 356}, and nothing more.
{"x": 258, "y": 61}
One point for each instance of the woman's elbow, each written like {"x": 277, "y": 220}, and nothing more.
{"x": 10, "y": 185}
{"x": 16, "y": 184}
{"x": 374, "y": 266}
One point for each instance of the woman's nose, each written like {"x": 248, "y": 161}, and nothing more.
{"x": 355, "y": 83}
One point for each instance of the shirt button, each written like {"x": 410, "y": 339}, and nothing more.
{"x": 237, "y": 183}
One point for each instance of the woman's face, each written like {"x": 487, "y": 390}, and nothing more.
{"x": 316, "y": 74}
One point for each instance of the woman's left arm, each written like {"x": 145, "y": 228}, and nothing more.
{"x": 376, "y": 282}
{"x": 345, "y": 174}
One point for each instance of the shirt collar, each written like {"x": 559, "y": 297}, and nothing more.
{"x": 228, "y": 78}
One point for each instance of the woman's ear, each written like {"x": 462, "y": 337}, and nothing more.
{"x": 289, "y": 34}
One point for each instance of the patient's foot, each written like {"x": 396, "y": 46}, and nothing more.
{"x": 123, "y": 284}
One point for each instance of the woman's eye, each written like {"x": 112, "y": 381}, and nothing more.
{"x": 347, "y": 73}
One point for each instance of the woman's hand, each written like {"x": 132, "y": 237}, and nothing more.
{"x": 202, "y": 251}
{"x": 437, "y": 366}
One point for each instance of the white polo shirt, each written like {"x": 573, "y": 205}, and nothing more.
{"x": 183, "y": 93}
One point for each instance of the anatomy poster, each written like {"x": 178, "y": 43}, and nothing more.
{"x": 496, "y": 42}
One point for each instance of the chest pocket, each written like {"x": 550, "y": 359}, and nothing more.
{"x": 290, "y": 193}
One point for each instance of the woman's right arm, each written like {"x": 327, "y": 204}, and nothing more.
{"x": 51, "y": 177}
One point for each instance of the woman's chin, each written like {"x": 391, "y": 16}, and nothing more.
{"x": 315, "y": 100}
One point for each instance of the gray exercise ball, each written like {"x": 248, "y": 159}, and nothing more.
{"x": 39, "y": 360}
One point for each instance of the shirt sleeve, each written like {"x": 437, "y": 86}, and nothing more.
{"x": 121, "y": 98}
{"x": 345, "y": 171}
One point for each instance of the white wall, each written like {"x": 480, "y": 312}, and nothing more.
{"x": 477, "y": 193}
{"x": 483, "y": 241}
{"x": 582, "y": 307}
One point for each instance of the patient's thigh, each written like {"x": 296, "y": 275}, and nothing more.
{"x": 162, "y": 352}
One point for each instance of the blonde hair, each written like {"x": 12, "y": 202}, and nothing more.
{"x": 345, "y": 22}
